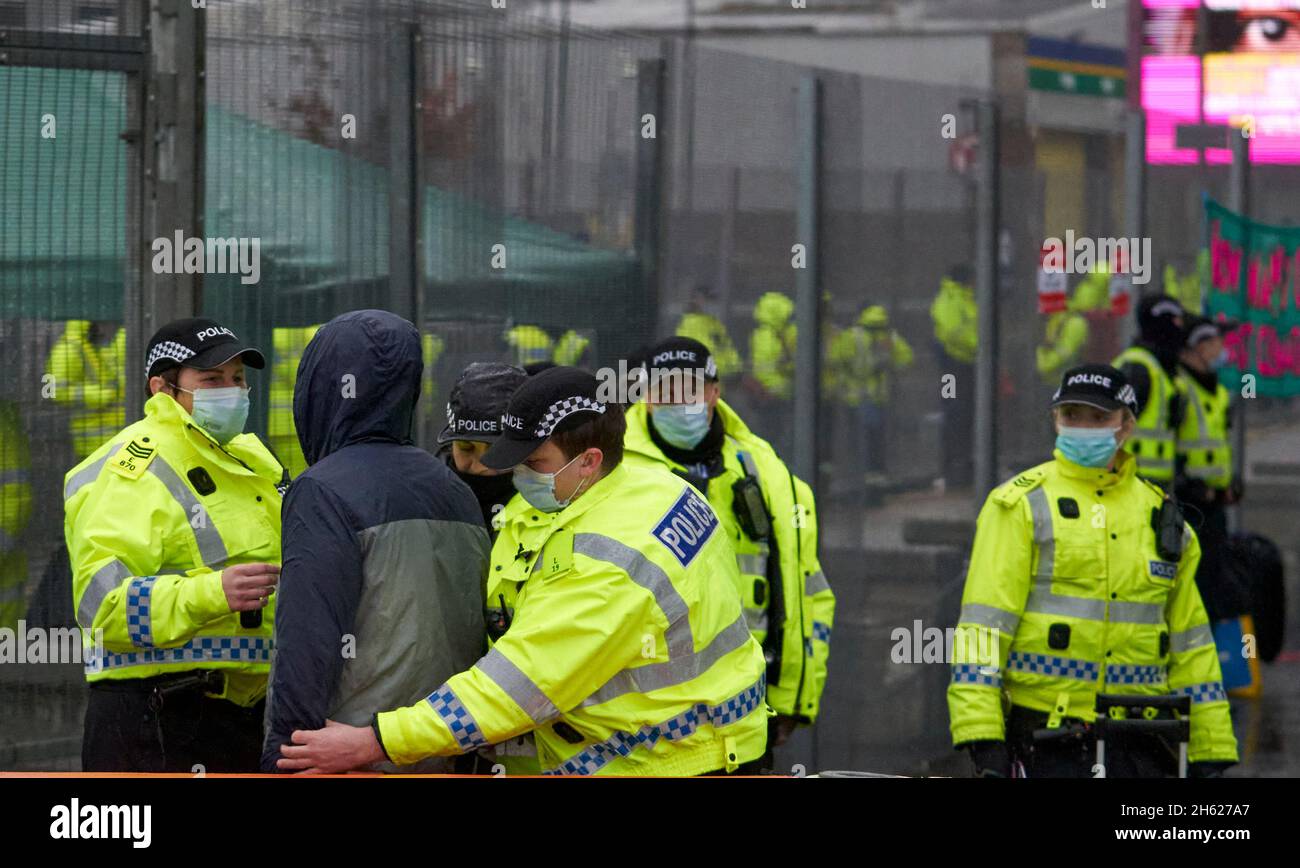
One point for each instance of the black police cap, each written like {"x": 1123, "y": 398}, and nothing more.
{"x": 478, "y": 399}
{"x": 197, "y": 343}
{"x": 553, "y": 401}
{"x": 1099, "y": 386}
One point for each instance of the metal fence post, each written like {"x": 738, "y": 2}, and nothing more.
{"x": 807, "y": 303}
{"x": 1239, "y": 202}
{"x": 1135, "y": 200}
{"x": 403, "y": 167}
{"x": 650, "y": 184}
{"x": 986, "y": 299}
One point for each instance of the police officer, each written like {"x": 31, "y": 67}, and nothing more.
{"x": 627, "y": 651}
{"x": 1151, "y": 365}
{"x": 1071, "y": 593}
{"x": 956, "y": 329}
{"x": 768, "y": 514}
{"x": 700, "y": 323}
{"x": 864, "y": 361}
{"x": 173, "y": 527}
{"x": 1204, "y": 477}
{"x": 478, "y": 399}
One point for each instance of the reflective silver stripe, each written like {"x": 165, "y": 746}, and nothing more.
{"x": 816, "y": 584}
{"x": 648, "y": 575}
{"x": 1186, "y": 640}
{"x": 1043, "y": 536}
{"x": 1155, "y": 463}
{"x": 1211, "y": 471}
{"x": 1046, "y": 603}
{"x": 657, "y": 676}
{"x": 518, "y": 686}
{"x": 1153, "y": 434}
{"x": 756, "y": 619}
{"x": 15, "y": 476}
{"x": 989, "y": 616}
{"x": 212, "y": 549}
{"x": 85, "y": 476}
{"x": 1136, "y": 613}
{"x": 752, "y": 564}
{"x": 1202, "y": 444}
{"x": 108, "y": 577}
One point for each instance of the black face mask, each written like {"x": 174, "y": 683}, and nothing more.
{"x": 490, "y": 491}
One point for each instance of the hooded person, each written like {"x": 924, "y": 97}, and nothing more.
{"x": 385, "y": 551}
{"x": 474, "y": 413}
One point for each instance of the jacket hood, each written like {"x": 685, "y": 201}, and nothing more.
{"x": 358, "y": 382}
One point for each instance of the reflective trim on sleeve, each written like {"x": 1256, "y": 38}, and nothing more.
{"x": 138, "y": 624}
{"x": 1209, "y": 691}
{"x": 976, "y": 673}
{"x": 989, "y": 616}
{"x": 1044, "y": 539}
{"x": 108, "y": 577}
{"x": 1194, "y": 637}
{"x": 822, "y": 632}
{"x": 1044, "y": 602}
{"x": 1135, "y": 674}
{"x": 1047, "y": 664}
{"x": 212, "y": 549}
{"x": 755, "y": 565}
{"x": 816, "y": 584}
{"x": 463, "y": 727}
{"x": 85, "y": 476}
{"x": 518, "y": 686}
{"x": 756, "y": 619}
{"x": 15, "y": 476}
{"x": 657, "y": 676}
{"x": 204, "y": 649}
{"x": 595, "y": 757}
{"x": 648, "y": 575}
{"x": 1136, "y": 613}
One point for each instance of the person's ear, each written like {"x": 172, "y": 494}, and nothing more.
{"x": 157, "y": 384}
{"x": 591, "y": 461}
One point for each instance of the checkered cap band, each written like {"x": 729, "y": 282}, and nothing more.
{"x": 560, "y": 410}
{"x": 167, "y": 350}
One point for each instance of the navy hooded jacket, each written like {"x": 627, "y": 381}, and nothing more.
{"x": 384, "y": 549}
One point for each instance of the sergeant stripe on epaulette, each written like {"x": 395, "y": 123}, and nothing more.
{"x": 139, "y": 451}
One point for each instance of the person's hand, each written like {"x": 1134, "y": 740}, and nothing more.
{"x": 991, "y": 759}
{"x": 248, "y": 586}
{"x": 334, "y": 749}
{"x": 782, "y": 728}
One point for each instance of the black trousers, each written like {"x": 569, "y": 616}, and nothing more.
{"x": 1135, "y": 756}
{"x": 152, "y": 725}
{"x": 958, "y": 424}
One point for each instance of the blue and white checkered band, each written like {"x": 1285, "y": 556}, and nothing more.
{"x": 167, "y": 350}
{"x": 560, "y": 410}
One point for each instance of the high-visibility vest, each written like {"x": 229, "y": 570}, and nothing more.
{"x": 1203, "y": 442}
{"x": 529, "y": 344}
{"x": 151, "y": 520}
{"x": 1152, "y": 443}
{"x": 709, "y": 330}
{"x": 808, "y": 600}
{"x": 628, "y": 653}
{"x": 1067, "y": 597}
{"x": 88, "y": 379}
{"x": 281, "y": 433}
{"x": 15, "y": 513}
{"x": 956, "y": 320}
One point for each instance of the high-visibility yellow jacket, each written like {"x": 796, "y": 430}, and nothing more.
{"x": 569, "y": 348}
{"x": 1152, "y": 443}
{"x": 89, "y": 380}
{"x": 1187, "y": 288}
{"x": 627, "y": 654}
{"x": 808, "y": 600}
{"x": 709, "y": 330}
{"x": 956, "y": 320}
{"x": 152, "y": 518}
{"x": 1067, "y": 597}
{"x": 1067, "y": 332}
{"x": 289, "y": 345}
{"x": 773, "y": 343}
{"x": 863, "y": 362}
{"x": 15, "y": 513}
{"x": 529, "y": 344}
{"x": 1204, "y": 449}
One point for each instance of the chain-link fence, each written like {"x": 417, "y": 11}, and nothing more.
{"x": 501, "y": 164}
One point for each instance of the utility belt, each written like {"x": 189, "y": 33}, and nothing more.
{"x": 160, "y": 688}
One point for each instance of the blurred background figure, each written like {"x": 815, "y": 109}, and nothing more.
{"x": 956, "y": 328}
{"x": 701, "y": 323}
{"x": 15, "y": 512}
{"x": 87, "y": 366}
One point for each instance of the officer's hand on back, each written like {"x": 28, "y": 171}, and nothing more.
{"x": 991, "y": 758}
{"x": 248, "y": 586}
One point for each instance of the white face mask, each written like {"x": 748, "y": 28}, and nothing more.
{"x": 221, "y": 412}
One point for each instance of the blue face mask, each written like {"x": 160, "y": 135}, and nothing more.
{"x": 682, "y": 425}
{"x": 539, "y": 488}
{"x": 1088, "y": 447}
{"x": 1219, "y": 361}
